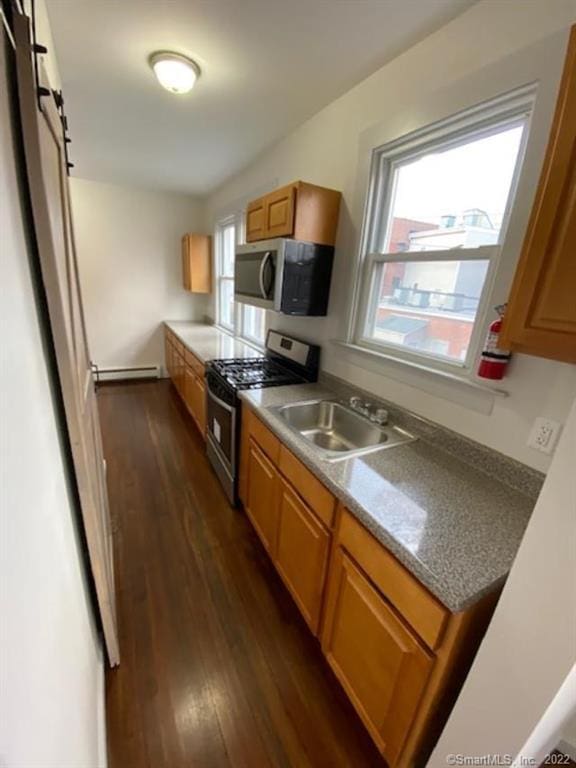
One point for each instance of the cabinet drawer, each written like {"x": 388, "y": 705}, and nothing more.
{"x": 196, "y": 365}
{"x": 316, "y": 495}
{"x": 262, "y": 435}
{"x": 413, "y": 601}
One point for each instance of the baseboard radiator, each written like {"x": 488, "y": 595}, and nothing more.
{"x": 102, "y": 375}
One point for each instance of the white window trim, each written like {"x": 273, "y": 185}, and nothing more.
{"x": 237, "y": 327}
{"x": 482, "y": 119}
{"x": 221, "y": 225}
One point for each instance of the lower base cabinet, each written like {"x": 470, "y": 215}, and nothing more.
{"x": 302, "y": 552}
{"x": 195, "y": 398}
{"x": 261, "y": 498}
{"x": 399, "y": 654}
{"x": 379, "y": 661}
{"x": 188, "y": 379}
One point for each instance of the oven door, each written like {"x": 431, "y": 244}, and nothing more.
{"x": 221, "y": 440}
{"x": 255, "y": 273}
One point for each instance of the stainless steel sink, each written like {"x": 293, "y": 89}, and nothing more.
{"x": 338, "y": 431}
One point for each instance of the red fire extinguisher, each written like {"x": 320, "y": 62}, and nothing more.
{"x": 493, "y": 360}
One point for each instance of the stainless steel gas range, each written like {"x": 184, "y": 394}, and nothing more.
{"x": 287, "y": 361}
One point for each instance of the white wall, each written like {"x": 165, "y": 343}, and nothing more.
{"x": 530, "y": 647}
{"x": 569, "y": 731}
{"x": 491, "y": 48}
{"x": 51, "y": 668}
{"x": 128, "y": 242}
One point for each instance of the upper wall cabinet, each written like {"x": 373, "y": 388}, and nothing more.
{"x": 299, "y": 210}
{"x": 541, "y": 316}
{"x": 196, "y": 263}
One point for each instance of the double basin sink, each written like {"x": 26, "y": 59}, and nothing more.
{"x": 338, "y": 431}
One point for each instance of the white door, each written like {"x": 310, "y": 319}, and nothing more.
{"x": 45, "y": 155}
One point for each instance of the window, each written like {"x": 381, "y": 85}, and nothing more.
{"x": 225, "y": 245}
{"x": 253, "y": 324}
{"x": 248, "y": 322}
{"x": 435, "y": 220}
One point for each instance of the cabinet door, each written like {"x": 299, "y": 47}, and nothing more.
{"x": 255, "y": 224}
{"x": 378, "y": 660}
{"x": 541, "y": 317}
{"x": 180, "y": 377}
{"x": 302, "y": 554}
{"x": 198, "y": 389}
{"x": 168, "y": 355}
{"x": 262, "y": 496}
{"x": 186, "y": 276}
{"x": 280, "y": 207}
{"x": 189, "y": 393}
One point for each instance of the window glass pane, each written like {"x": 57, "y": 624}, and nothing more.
{"x": 254, "y": 323}
{"x": 226, "y": 302}
{"x": 453, "y": 198}
{"x": 427, "y": 306}
{"x": 228, "y": 247}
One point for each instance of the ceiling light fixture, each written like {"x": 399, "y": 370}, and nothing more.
{"x": 174, "y": 72}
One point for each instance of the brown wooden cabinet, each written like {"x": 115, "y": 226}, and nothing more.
{"x": 255, "y": 225}
{"x": 299, "y": 210}
{"x": 280, "y": 212}
{"x": 400, "y": 655}
{"x": 381, "y": 663}
{"x": 261, "y": 500}
{"x": 302, "y": 550}
{"x": 187, "y": 374}
{"x": 541, "y": 314}
{"x": 197, "y": 263}
{"x": 199, "y": 402}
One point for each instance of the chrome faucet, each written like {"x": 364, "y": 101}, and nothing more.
{"x": 372, "y": 411}
{"x": 379, "y": 416}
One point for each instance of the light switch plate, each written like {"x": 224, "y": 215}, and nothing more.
{"x": 544, "y": 434}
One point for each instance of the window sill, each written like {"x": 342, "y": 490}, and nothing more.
{"x": 451, "y": 378}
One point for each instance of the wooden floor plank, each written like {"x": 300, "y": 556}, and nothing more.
{"x": 218, "y": 668}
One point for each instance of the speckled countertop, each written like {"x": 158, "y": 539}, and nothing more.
{"x": 210, "y": 343}
{"x": 453, "y": 526}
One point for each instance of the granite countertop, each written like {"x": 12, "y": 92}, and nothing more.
{"x": 210, "y": 343}
{"x": 456, "y": 528}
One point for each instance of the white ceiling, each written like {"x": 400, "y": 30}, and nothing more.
{"x": 267, "y": 65}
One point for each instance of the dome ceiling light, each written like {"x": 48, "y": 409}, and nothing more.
{"x": 174, "y": 72}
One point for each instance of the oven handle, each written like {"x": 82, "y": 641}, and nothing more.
{"x": 220, "y": 402}
{"x": 263, "y": 263}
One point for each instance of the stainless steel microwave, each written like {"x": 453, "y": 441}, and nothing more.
{"x": 288, "y": 276}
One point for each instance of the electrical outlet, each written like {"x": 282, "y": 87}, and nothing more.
{"x": 544, "y": 434}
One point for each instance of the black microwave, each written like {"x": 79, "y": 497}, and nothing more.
{"x": 288, "y": 276}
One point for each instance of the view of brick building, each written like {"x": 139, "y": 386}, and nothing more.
{"x": 431, "y": 306}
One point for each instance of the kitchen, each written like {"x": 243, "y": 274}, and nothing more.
{"x": 324, "y": 520}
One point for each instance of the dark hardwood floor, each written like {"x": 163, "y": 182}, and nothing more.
{"x": 218, "y": 669}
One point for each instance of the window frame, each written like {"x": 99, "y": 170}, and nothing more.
{"x": 242, "y": 323}
{"x": 482, "y": 120}
{"x": 220, "y": 278}
{"x": 238, "y": 326}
